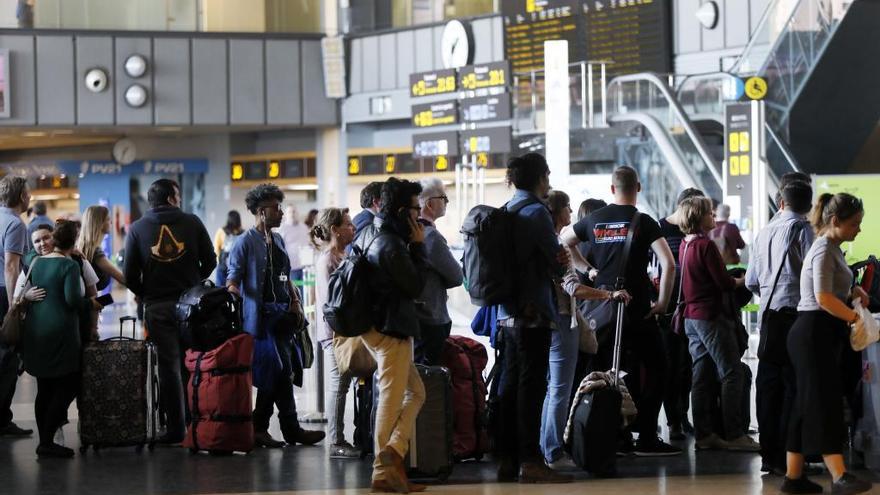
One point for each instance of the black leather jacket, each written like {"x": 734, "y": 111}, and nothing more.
{"x": 398, "y": 279}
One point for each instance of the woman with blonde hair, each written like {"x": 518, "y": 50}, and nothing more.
{"x": 95, "y": 225}
{"x": 331, "y": 233}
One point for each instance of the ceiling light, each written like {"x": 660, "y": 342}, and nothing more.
{"x": 169, "y": 129}
{"x": 33, "y": 134}
{"x": 136, "y": 96}
{"x": 135, "y": 66}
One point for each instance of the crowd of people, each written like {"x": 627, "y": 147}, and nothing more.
{"x": 682, "y": 343}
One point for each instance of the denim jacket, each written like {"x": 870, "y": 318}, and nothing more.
{"x": 535, "y": 248}
{"x": 247, "y": 267}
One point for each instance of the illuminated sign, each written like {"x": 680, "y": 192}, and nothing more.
{"x": 354, "y": 166}
{"x": 486, "y": 108}
{"x": 435, "y": 144}
{"x": 390, "y": 164}
{"x": 294, "y": 168}
{"x": 237, "y": 172}
{"x": 274, "y": 170}
{"x": 635, "y": 34}
{"x": 433, "y": 114}
{"x": 433, "y": 83}
{"x": 491, "y": 75}
{"x": 491, "y": 140}
{"x": 441, "y": 164}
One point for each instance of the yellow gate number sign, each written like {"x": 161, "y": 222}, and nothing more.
{"x": 756, "y": 88}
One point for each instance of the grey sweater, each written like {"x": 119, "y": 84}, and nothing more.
{"x": 444, "y": 273}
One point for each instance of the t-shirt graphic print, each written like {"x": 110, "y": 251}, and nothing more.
{"x": 167, "y": 248}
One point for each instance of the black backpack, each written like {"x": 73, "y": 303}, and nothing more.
{"x": 488, "y": 259}
{"x": 351, "y": 308}
{"x": 208, "y": 316}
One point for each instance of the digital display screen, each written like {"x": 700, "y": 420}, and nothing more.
{"x": 635, "y": 34}
{"x": 435, "y": 144}
{"x": 486, "y": 108}
{"x": 492, "y": 75}
{"x": 256, "y": 170}
{"x": 491, "y": 140}
{"x": 525, "y": 34}
{"x": 434, "y": 114}
{"x": 433, "y": 83}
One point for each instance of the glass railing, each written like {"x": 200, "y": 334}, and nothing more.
{"x": 586, "y": 86}
{"x": 648, "y": 95}
{"x": 704, "y": 96}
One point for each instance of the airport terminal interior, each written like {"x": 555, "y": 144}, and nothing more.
{"x": 100, "y": 99}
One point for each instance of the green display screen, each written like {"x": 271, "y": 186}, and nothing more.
{"x": 867, "y": 188}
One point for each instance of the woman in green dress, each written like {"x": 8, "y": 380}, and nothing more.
{"x": 50, "y": 341}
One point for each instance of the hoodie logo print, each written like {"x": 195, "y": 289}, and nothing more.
{"x": 167, "y": 247}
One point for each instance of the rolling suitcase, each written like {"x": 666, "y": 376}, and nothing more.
{"x": 597, "y": 419}
{"x": 219, "y": 392}
{"x": 363, "y": 411}
{"x": 119, "y": 395}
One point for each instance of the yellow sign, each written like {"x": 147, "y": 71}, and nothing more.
{"x": 441, "y": 164}
{"x": 390, "y": 163}
{"x": 237, "y": 171}
{"x": 756, "y": 88}
{"x": 734, "y": 166}
{"x": 354, "y": 166}
{"x": 483, "y": 160}
{"x": 274, "y": 170}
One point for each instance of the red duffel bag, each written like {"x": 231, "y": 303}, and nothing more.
{"x": 219, "y": 394}
{"x": 466, "y": 359}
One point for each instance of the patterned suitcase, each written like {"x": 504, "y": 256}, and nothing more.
{"x": 119, "y": 397}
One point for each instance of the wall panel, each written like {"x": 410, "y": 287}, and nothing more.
{"x": 210, "y": 89}
{"x": 283, "y": 82}
{"x": 95, "y": 108}
{"x": 172, "y": 98}
{"x": 247, "y": 96}
{"x": 125, "y": 114}
{"x": 56, "y": 83}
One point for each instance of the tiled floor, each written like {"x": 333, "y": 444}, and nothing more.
{"x": 307, "y": 470}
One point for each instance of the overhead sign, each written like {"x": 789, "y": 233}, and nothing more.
{"x": 106, "y": 167}
{"x": 635, "y": 35}
{"x": 484, "y": 76}
{"x": 291, "y": 168}
{"x": 434, "y": 114}
{"x": 737, "y": 152}
{"x": 490, "y": 140}
{"x": 486, "y": 108}
{"x": 529, "y": 23}
{"x": 435, "y": 144}
{"x": 438, "y": 82}
{"x": 756, "y": 88}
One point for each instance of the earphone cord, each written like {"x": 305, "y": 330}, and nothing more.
{"x": 271, "y": 264}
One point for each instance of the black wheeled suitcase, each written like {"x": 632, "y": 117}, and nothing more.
{"x": 597, "y": 420}
{"x": 119, "y": 396}
{"x": 363, "y": 420}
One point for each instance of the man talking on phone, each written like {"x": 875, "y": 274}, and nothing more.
{"x": 167, "y": 252}
{"x": 259, "y": 272}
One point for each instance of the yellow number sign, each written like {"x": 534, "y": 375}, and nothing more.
{"x": 354, "y": 166}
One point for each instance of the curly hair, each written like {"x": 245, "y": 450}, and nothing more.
{"x": 525, "y": 172}
{"x": 260, "y": 194}
{"x": 397, "y": 194}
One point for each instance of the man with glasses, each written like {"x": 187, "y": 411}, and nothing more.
{"x": 444, "y": 273}
{"x": 259, "y": 272}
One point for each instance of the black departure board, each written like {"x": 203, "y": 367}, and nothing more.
{"x": 489, "y": 140}
{"x": 529, "y": 23}
{"x": 635, "y": 34}
{"x": 435, "y": 144}
{"x": 434, "y": 114}
{"x": 484, "y": 76}
{"x": 436, "y": 82}
{"x": 486, "y": 108}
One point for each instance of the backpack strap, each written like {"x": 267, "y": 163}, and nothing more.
{"x": 531, "y": 200}
{"x": 627, "y": 246}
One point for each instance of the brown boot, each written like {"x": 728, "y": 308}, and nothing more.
{"x": 533, "y": 472}
{"x": 395, "y": 473}
{"x": 264, "y": 439}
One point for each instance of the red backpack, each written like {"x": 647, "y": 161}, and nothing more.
{"x": 466, "y": 359}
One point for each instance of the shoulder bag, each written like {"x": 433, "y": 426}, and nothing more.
{"x": 677, "y": 323}
{"x": 775, "y": 324}
{"x": 13, "y": 322}
{"x": 601, "y": 317}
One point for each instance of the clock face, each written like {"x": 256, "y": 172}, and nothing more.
{"x": 456, "y": 45}
{"x": 124, "y": 151}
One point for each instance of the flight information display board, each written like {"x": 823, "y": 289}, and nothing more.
{"x": 489, "y": 140}
{"x": 635, "y": 34}
{"x": 529, "y": 23}
{"x": 486, "y": 108}
{"x": 434, "y": 114}
{"x": 484, "y": 76}
{"x": 438, "y": 82}
{"x": 435, "y": 144}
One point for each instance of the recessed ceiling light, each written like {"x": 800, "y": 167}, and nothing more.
{"x": 33, "y": 134}
{"x": 169, "y": 129}
{"x": 62, "y": 132}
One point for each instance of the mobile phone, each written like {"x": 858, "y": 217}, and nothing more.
{"x": 105, "y": 300}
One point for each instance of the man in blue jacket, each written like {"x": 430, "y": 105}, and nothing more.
{"x": 259, "y": 272}
{"x": 167, "y": 251}
{"x": 527, "y": 323}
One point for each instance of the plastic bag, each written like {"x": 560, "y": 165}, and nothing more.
{"x": 866, "y": 331}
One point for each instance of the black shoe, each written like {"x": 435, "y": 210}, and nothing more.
{"x": 536, "y": 472}
{"x": 13, "y": 430}
{"x": 676, "y": 434}
{"x": 54, "y": 450}
{"x": 625, "y": 447}
{"x": 655, "y": 448}
{"x": 800, "y": 485}
{"x": 507, "y": 471}
{"x": 849, "y": 484}
{"x": 264, "y": 439}
{"x": 687, "y": 427}
{"x": 773, "y": 469}
{"x": 304, "y": 437}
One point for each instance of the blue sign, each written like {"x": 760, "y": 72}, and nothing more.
{"x": 102, "y": 168}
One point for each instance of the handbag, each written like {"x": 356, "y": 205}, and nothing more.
{"x": 13, "y": 322}
{"x": 775, "y": 324}
{"x": 353, "y": 357}
{"x": 601, "y": 317}
{"x": 677, "y": 321}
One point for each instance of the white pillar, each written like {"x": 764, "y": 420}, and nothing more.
{"x": 557, "y": 111}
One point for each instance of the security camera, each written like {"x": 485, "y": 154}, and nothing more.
{"x": 96, "y": 80}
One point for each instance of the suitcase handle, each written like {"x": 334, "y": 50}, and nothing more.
{"x": 122, "y": 321}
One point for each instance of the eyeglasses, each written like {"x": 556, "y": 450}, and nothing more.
{"x": 445, "y": 198}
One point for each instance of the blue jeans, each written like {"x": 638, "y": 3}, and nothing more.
{"x": 563, "y": 361}
{"x": 716, "y": 356}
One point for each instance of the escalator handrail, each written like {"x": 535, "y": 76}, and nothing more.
{"x": 786, "y": 151}
{"x": 675, "y": 105}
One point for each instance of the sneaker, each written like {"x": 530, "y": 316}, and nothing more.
{"x": 655, "y": 448}
{"x": 712, "y": 442}
{"x": 533, "y": 473}
{"x": 344, "y": 451}
{"x": 676, "y": 434}
{"x": 744, "y": 443}
{"x": 564, "y": 463}
{"x": 800, "y": 485}
{"x": 13, "y": 430}
{"x": 849, "y": 484}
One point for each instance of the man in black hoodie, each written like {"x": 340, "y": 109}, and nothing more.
{"x": 167, "y": 252}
